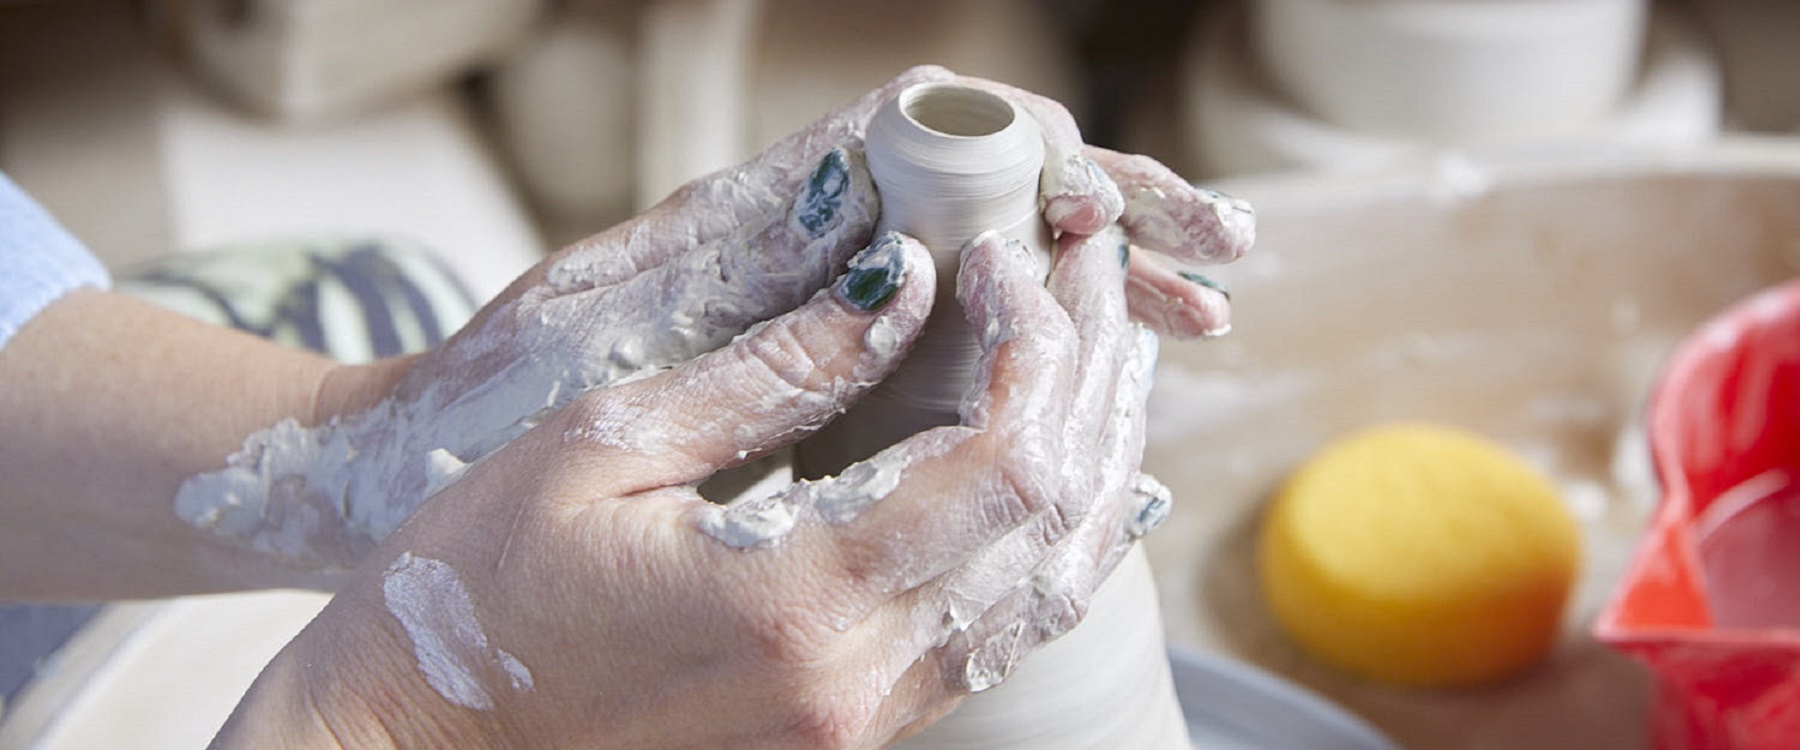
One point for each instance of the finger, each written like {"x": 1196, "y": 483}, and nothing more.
{"x": 1042, "y": 606}
{"x": 1050, "y": 602}
{"x": 1130, "y": 503}
{"x": 1088, "y": 280}
{"x": 1133, "y": 503}
{"x": 1013, "y": 313}
{"x": 1078, "y": 196}
{"x": 927, "y": 617}
{"x": 717, "y": 204}
{"x": 1182, "y": 304}
{"x": 768, "y": 388}
{"x": 1169, "y": 215}
{"x": 1103, "y": 425}
{"x": 1054, "y": 598}
{"x": 1139, "y": 503}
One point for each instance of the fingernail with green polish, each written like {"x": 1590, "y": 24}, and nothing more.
{"x": 875, "y": 274}
{"x": 1206, "y": 282}
{"x": 1124, "y": 255}
{"x": 824, "y": 194}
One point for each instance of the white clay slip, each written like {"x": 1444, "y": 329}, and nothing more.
{"x": 453, "y": 652}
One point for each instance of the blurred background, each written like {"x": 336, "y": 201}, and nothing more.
{"x": 493, "y": 129}
{"x": 491, "y": 132}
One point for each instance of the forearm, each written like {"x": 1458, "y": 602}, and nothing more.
{"x": 106, "y": 406}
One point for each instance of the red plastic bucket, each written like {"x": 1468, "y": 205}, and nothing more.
{"x": 1712, "y": 600}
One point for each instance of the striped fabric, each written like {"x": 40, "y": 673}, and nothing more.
{"x": 353, "y": 299}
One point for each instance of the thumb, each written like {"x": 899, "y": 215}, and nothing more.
{"x": 781, "y": 380}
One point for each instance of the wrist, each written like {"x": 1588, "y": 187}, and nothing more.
{"x": 280, "y": 711}
{"x": 349, "y": 681}
{"x": 345, "y": 390}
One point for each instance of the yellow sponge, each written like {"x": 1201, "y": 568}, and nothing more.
{"x": 1419, "y": 555}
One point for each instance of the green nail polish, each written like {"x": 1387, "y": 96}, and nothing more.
{"x": 1124, "y": 255}
{"x": 875, "y": 275}
{"x": 1206, "y": 282}
{"x": 824, "y": 194}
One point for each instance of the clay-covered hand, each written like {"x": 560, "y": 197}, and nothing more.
{"x": 572, "y": 590}
{"x": 724, "y": 252}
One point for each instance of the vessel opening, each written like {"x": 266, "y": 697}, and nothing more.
{"x": 956, "y": 110}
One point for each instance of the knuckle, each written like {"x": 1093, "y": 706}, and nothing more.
{"x": 1139, "y": 165}
{"x": 779, "y": 352}
{"x": 1031, "y": 471}
{"x": 829, "y": 720}
{"x": 583, "y": 419}
{"x": 796, "y": 625}
{"x": 868, "y": 566}
{"x": 584, "y": 409}
{"x": 1060, "y": 612}
{"x": 1064, "y": 590}
{"x": 1016, "y": 499}
{"x": 1030, "y": 498}
{"x": 786, "y": 636}
{"x": 1055, "y": 524}
{"x": 688, "y": 191}
{"x": 1055, "y": 336}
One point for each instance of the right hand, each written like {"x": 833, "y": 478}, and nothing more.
{"x": 573, "y": 590}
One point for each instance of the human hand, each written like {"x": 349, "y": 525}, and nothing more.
{"x": 573, "y": 590}
{"x": 724, "y": 252}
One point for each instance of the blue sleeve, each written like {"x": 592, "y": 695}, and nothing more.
{"x": 39, "y": 261}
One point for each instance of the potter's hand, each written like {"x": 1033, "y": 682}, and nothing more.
{"x": 724, "y": 252}
{"x": 573, "y": 590}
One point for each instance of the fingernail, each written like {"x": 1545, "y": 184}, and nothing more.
{"x": 824, "y": 194}
{"x": 1154, "y": 503}
{"x": 1205, "y": 282}
{"x": 1124, "y": 255}
{"x": 875, "y": 274}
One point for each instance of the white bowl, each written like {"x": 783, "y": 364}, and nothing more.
{"x": 1456, "y": 71}
{"x": 1233, "y": 124}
